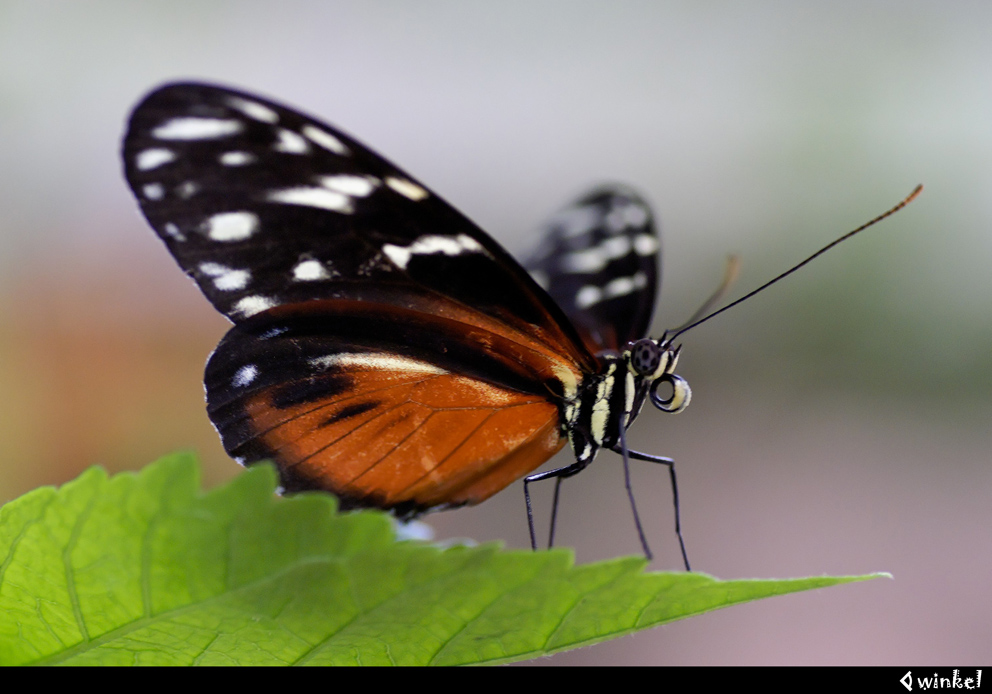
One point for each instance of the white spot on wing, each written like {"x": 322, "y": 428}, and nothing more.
{"x": 407, "y": 189}
{"x": 225, "y": 278}
{"x": 398, "y": 254}
{"x": 153, "y": 191}
{"x": 187, "y": 189}
{"x": 590, "y": 295}
{"x": 624, "y": 216}
{"x": 625, "y": 285}
{"x": 587, "y": 296}
{"x": 233, "y": 280}
{"x": 645, "y": 244}
{"x": 231, "y": 226}
{"x": 325, "y": 139}
{"x": 244, "y": 376}
{"x": 213, "y": 269}
{"x": 429, "y": 244}
{"x": 253, "y": 109}
{"x": 290, "y": 142}
{"x": 375, "y": 361}
{"x": 236, "y": 158}
{"x": 616, "y": 247}
{"x": 320, "y": 198}
{"x": 251, "y": 305}
{"x": 310, "y": 271}
{"x": 596, "y": 258}
{"x": 273, "y": 332}
{"x": 193, "y": 128}
{"x": 153, "y": 158}
{"x": 583, "y": 262}
{"x": 173, "y": 231}
{"x": 358, "y": 186}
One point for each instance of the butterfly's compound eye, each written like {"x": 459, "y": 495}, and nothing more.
{"x": 646, "y": 358}
{"x": 679, "y": 398}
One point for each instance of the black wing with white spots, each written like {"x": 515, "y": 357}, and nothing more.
{"x": 599, "y": 261}
{"x": 263, "y": 206}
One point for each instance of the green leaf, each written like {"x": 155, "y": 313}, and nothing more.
{"x": 144, "y": 569}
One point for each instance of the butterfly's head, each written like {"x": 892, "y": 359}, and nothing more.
{"x": 654, "y": 361}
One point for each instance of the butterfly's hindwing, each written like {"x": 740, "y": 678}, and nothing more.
{"x": 263, "y": 206}
{"x": 382, "y": 405}
{"x": 599, "y": 261}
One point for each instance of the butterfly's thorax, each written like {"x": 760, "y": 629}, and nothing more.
{"x": 605, "y": 401}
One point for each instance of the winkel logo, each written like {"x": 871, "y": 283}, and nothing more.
{"x": 955, "y": 681}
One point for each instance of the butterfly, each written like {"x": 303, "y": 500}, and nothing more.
{"x": 384, "y": 347}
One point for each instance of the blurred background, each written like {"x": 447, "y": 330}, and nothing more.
{"x": 840, "y": 422}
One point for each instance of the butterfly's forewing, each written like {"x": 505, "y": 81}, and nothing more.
{"x": 599, "y": 260}
{"x": 263, "y": 206}
{"x": 383, "y": 405}
{"x": 385, "y": 348}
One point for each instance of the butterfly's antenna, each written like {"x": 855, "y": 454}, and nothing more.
{"x": 692, "y": 324}
{"x": 730, "y": 273}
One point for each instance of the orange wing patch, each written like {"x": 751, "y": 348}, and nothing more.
{"x": 408, "y": 433}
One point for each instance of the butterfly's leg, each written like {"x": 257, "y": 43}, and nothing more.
{"x": 637, "y": 455}
{"x": 554, "y": 512}
{"x": 630, "y": 493}
{"x": 558, "y": 474}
